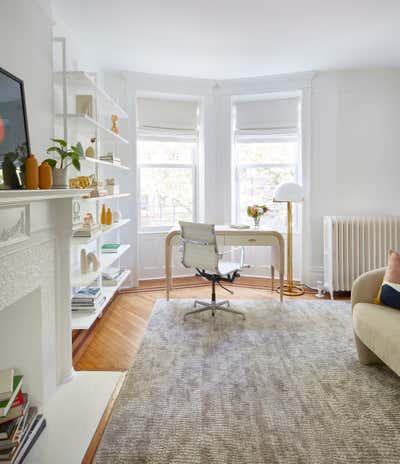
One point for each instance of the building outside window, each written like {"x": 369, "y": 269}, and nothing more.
{"x": 266, "y": 152}
{"x": 167, "y": 149}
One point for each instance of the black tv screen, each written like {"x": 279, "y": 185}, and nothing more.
{"x": 14, "y": 135}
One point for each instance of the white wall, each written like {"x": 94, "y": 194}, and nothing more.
{"x": 355, "y": 149}
{"x": 26, "y": 51}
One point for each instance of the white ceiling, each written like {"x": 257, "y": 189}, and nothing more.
{"x": 235, "y": 38}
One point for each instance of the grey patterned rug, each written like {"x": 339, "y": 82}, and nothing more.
{"x": 283, "y": 387}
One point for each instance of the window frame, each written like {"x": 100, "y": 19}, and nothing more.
{"x": 240, "y": 138}
{"x": 160, "y": 135}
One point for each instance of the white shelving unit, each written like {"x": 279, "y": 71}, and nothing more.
{"x": 75, "y": 127}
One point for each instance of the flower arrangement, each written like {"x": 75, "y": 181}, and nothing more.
{"x": 255, "y": 212}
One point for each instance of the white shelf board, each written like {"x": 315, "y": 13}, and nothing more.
{"x": 107, "y": 197}
{"x": 105, "y": 163}
{"x": 84, "y": 82}
{"x": 72, "y": 415}
{"x": 107, "y": 259}
{"x": 82, "y": 320}
{"x": 85, "y": 240}
{"x": 25, "y": 195}
{"x": 89, "y": 123}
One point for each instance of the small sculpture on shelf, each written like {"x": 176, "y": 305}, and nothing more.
{"x": 81, "y": 182}
{"x": 114, "y": 127}
{"x": 110, "y": 186}
{"x": 117, "y": 215}
{"x": 89, "y": 262}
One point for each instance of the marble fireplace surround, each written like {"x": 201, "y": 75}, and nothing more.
{"x": 35, "y": 318}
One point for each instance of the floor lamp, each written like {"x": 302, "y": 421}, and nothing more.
{"x": 289, "y": 193}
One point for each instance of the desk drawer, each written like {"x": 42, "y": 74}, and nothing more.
{"x": 250, "y": 240}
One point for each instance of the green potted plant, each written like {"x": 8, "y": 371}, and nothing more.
{"x": 68, "y": 156}
{"x": 13, "y": 167}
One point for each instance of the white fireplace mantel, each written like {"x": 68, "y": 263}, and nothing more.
{"x": 35, "y": 316}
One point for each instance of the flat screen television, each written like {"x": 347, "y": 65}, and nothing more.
{"x": 14, "y": 134}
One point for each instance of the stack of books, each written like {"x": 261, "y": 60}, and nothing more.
{"x": 20, "y": 423}
{"x": 87, "y": 299}
{"x": 110, "y": 248}
{"x": 111, "y": 158}
{"x": 111, "y": 276}
{"x": 86, "y": 230}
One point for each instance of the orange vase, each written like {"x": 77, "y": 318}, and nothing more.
{"x": 45, "y": 176}
{"x": 109, "y": 217}
{"x": 31, "y": 173}
{"x": 103, "y": 217}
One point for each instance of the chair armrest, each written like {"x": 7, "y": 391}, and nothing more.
{"x": 366, "y": 287}
{"x": 232, "y": 249}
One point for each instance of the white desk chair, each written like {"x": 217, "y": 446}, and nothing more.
{"x": 200, "y": 251}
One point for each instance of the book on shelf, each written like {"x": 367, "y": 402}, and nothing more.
{"x": 111, "y": 158}
{"x": 87, "y": 293}
{"x": 89, "y": 307}
{"x": 6, "y": 404}
{"x": 86, "y": 230}
{"x": 6, "y": 383}
{"x": 110, "y": 247}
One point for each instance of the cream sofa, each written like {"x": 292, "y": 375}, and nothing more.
{"x": 376, "y": 327}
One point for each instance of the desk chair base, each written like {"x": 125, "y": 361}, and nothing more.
{"x": 213, "y": 306}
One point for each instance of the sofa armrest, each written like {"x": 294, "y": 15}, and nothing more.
{"x": 366, "y": 287}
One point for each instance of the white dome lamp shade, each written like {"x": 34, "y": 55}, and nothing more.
{"x": 289, "y": 192}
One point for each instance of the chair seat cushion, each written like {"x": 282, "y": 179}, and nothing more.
{"x": 226, "y": 267}
{"x": 378, "y": 327}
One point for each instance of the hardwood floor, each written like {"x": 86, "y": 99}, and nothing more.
{"x": 113, "y": 341}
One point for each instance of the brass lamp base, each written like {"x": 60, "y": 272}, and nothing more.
{"x": 291, "y": 290}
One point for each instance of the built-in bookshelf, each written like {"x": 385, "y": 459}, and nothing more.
{"x": 110, "y": 159}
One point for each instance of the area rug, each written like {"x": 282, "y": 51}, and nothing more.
{"x": 284, "y": 386}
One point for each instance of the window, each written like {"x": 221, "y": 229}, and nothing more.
{"x": 167, "y": 148}
{"x": 265, "y": 154}
{"x": 261, "y": 165}
{"x": 167, "y": 182}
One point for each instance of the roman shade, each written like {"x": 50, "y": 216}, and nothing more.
{"x": 165, "y": 114}
{"x": 267, "y": 116}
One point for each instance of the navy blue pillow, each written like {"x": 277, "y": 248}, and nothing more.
{"x": 390, "y": 296}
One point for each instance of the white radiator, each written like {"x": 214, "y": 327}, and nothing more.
{"x": 356, "y": 244}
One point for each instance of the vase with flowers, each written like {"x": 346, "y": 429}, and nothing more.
{"x": 255, "y": 212}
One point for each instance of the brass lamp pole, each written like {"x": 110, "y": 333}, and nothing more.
{"x": 288, "y": 193}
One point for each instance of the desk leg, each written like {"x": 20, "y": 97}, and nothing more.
{"x": 167, "y": 269}
{"x": 281, "y": 277}
{"x": 281, "y": 269}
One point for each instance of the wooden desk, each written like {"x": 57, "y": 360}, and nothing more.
{"x": 231, "y": 237}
